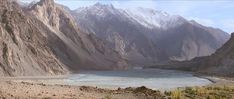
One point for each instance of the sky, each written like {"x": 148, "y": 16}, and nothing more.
{"x": 214, "y": 13}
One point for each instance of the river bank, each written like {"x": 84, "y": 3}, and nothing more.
{"x": 55, "y": 88}
{"x": 29, "y": 90}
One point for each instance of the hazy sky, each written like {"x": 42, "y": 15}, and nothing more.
{"x": 215, "y": 13}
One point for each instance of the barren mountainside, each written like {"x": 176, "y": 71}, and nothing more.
{"x": 24, "y": 47}
{"x": 109, "y": 24}
{"x": 42, "y": 39}
{"x": 149, "y": 34}
{"x": 45, "y": 38}
{"x": 190, "y": 40}
{"x": 76, "y": 49}
{"x": 221, "y": 62}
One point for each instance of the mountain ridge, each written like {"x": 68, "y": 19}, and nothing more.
{"x": 24, "y": 50}
{"x": 221, "y": 62}
{"x": 160, "y": 33}
{"x": 46, "y": 38}
{"x": 84, "y": 47}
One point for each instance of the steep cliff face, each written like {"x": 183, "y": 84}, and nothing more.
{"x": 76, "y": 49}
{"x": 221, "y": 62}
{"x": 24, "y": 47}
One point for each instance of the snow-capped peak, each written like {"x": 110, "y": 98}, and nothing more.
{"x": 98, "y": 9}
{"x": 147, "y": 17}
{"x": 152, "y": 18}
{"x": 98, "y": 4}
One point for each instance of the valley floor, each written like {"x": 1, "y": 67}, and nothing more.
{"x": 40, "y": 89}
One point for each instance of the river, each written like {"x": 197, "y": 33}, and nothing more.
{"x": 152, "y": 78}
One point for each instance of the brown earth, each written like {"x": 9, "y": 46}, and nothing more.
{"x": 43, "y": 88}
{"x": 29, "y": 90}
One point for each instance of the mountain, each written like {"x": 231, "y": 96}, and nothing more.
{"x": 24, "y": 47}
{"x": 73, "y": 47}
{"x": 147, "y": 36}
{"x": 221, "y": 62}
{"x": 151, "y": 18}
{"x": 189, "y": 40}
{"x": 45, "y": 38}
{"x": 120, "y": 32}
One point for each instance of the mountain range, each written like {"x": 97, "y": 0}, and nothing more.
{"x": 147, "y": 36}
{"x": 45, "y": 38}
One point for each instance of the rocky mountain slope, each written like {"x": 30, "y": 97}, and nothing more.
{"x": 147, "y": 35}
{"x": 24, "y": 47}
{"x": 221, "y": 62}
{"x": 189, "y": 40}
{"x": 45, "y": 38}
{"x": 76, "y": 49}
{"x": 111, "y": 25}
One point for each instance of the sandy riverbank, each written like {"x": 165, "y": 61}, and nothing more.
{"x": 36, "y": 90}
{"x": 53, "y": 88}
